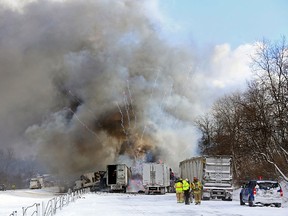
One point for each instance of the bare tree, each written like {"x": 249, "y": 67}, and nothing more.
{"x": 271, "y": 65}
{"x": 205, "y": 125}
{"x": 253, "y": 126}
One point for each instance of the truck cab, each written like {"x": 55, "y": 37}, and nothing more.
{"x": 35, "y": 183}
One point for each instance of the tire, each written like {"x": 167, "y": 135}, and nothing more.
{"x": 227, "y": 199}
{"x": 241, "y": 200}
{"x": 206, "y": 198}
{"x": 278, "y": 205}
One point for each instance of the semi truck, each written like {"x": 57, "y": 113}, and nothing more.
{"x": 156, "y": 178}
{"x": 35, "y": 183}
{"x": 118, "y": 177}
{"x": 215, "y": 173}
{"x": 90, "y": 180}
{"x": 42, "y": 181}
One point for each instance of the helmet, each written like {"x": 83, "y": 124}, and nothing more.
{"x": 186, "y": 179}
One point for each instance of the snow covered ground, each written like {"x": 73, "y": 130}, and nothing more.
{"x": 135, "y": 204}
{"x": 14, "y": 200}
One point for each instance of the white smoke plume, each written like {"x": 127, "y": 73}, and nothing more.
{"x": 84, "y": 82}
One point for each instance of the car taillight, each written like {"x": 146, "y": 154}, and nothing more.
{"x": 254, "y": 191}
{"x": 281, "y": 192}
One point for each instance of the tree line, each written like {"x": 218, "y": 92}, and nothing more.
{"x": 252, "y": 126}
{"x": 14, "y": 172}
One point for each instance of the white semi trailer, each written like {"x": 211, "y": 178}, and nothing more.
{"x": 215, "y": 173}
{"x": 156, "y": 178}
{"x": 118, "y": 177}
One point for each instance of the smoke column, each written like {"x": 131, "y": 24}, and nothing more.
{"x": 86, "y": 83}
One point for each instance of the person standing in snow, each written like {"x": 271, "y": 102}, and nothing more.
{"x": 196, "y": 187}
{"x": 186, "y": 190}
{"x": 172, "y": 181}
{"x": 179, "y": 190}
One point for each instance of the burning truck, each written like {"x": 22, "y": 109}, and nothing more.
{"x": 145, "y": 177}
{"x": 118, "y": 177}
{"x": 92, "y": 180}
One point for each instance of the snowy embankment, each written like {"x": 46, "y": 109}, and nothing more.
{"x": 135, "y": 204}
{"x": 14, "y": 200}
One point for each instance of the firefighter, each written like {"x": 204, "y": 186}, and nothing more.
{"x": 191, "y": 192}
{"x": 13, "y": 187}
{"x": 186, "y": 189}
{"x": 197, "y": 187}
{"x": 179, "y": 190}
